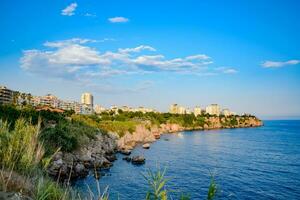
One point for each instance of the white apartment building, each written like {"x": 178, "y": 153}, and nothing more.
{"x": 213, "y": 109}
{"x": 87, "y": 99}
{"x": 174, "y": 108}
{"x": 47, "y": 100}
{"x": 181, "y": 110}
{"x": 197, "y": 111}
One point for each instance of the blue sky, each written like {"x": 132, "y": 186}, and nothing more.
{"x": 243, "y": 55}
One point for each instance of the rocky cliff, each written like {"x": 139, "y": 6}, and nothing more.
{"x": 146, "y": 133}
{"x": 97, "y": 153}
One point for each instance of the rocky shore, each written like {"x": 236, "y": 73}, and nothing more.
{"x": 100, "y": 152}
{"x": 97, "y": 153}
{"x": 146, "y": 133}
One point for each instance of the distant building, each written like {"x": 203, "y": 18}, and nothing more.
{"x": 47, "y": 100}
{"x": 70, "y": 105}
{"x": 87, "y": 99}
{"x": 181, "y": 110}
{"x": 226, "y": 112}
{"x": 6, "y": 95}
{"x": 86, "y": 109}
{"x": 174, "y": 108}
{"x": 213, "y": 109}
{"x": 99, "y": 109}
{"x": 197, "y": 111}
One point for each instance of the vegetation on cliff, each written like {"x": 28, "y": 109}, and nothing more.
{"x": 127, "y": 121}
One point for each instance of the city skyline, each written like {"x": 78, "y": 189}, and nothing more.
{"x": 10, "y": 96}
{"x": 190, "y": 53}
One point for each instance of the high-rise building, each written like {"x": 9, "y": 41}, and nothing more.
{"x": 87, "y": 99}
{"x": 197, "y": 111}
{"x": 6, "y": 95}
{"x": 174, "y": 108}
{"x": 213, "y": 109}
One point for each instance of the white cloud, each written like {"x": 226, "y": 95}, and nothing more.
{"x": 226, "y": 70}
{"x": 118, "y": 20}
{"x": 198, "y": 57}
{"x": 276, "y": 64}
{"x": 69, "y": 10}
{"x": 90, "y": 15}
{"x": 62, "y": 43}
{"x": 74, "y": 59}
{"x": 137, "y": 49}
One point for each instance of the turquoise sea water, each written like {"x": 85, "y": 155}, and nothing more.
{"x": 248, "y": 163}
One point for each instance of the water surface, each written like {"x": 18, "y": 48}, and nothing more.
{"x": 248, "y": 163}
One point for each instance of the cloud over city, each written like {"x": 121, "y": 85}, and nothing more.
{"x": 75, "y": 59}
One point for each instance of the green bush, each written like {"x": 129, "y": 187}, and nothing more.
{"x": 59, "y": 137}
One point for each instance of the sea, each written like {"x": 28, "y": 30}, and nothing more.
{"x": 245, "y": 163}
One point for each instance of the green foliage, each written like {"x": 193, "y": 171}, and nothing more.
{"x": 49, "y": 190}
{"x": 157, "y": 182}
{"x": 200, "y": 121}
{"x": 67, "y": 136}
{"x": 184, "y": 197}
{"x": 19, "y": 148}
{"x": 233, "y": 121}
{"x": 11, "y": 113}
{"x": 120, "y": 127}
{"x": 212, "y": 190}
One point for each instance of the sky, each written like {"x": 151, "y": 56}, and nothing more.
{"x": 243, "y": 55}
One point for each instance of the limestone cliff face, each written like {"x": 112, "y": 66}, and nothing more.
{"x": 146, "y": 133}
{"x": 142, "y": 134}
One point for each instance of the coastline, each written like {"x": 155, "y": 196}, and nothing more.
{"x": 143, "y": 134}
{"x": 100, "y": 152}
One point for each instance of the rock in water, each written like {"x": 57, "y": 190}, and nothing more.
{"x": 111, "y": 157}
{"x": 80, "y": 170}
{"x": 138, "y": 160}
{"x": 125, "y": 152}
{"x": 127, "y": 158}
{"x": 146, "y": 146}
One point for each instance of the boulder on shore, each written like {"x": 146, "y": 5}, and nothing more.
{"x": 125, "y": 152}
{"x": 146, "y": 146}
{"x": 97, "y": 153}
{"x": 138, "y": 160}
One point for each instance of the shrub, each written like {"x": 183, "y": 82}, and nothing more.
{"x": 59, "y": 137}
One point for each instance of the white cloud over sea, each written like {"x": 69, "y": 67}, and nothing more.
{"x": 277, "y": 64}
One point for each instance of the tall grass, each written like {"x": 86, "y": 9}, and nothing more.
{"x": 156, "y": 182}
{"x": 20, "y": 149}
{"x": 212, "y": 190}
